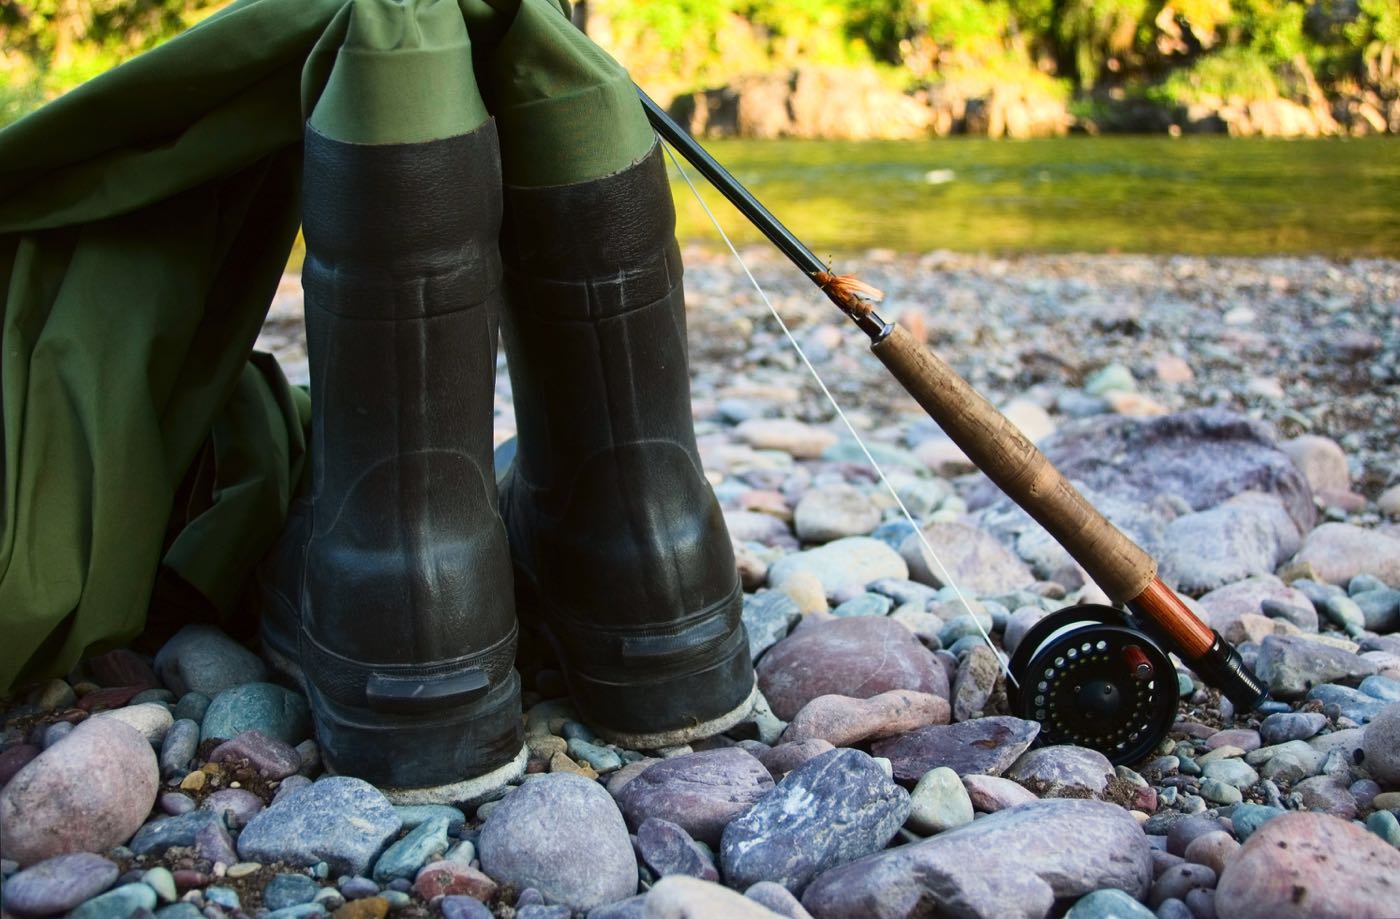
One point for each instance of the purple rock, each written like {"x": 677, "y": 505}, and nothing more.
{"x": 272, "y": 758}
{"x": 986, "y": 746}
{"x": 159, "y": 835}
{"x": 122, "y": 667}
{"x": 777, "y": 898}
{"x": 1183, "y": 831}
{"x": 562, "y": 834}
{"x": 700, "y": 792}
{"x": 860, "y": 657}
{"x": 1177, "y": 880}
{"x": 15, "y": 759}
{"x": 174, "y": 803}
{"x": 213, "y": 843}
{"x": 1015, "y": 863}
{"x": 1324, "y": 794}
{"x": 1062, "y": 771}
{"x": 58, "y": 884}
{"x": 358, "y": 888}
{"x": 668, "y": 849}
{"x": 86, "y": 793}
{"x": 458, "y": 907}
{"x": 236, "y": 805}
{"x": 826, "y": 812}
{"x": 785, "y": 757}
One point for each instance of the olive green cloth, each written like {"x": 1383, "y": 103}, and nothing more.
{"x": 145, "y": 220}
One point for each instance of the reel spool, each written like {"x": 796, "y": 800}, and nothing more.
{"x": 1093, "y": 679}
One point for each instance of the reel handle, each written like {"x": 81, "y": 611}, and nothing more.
{"x": 1120, "y": 566}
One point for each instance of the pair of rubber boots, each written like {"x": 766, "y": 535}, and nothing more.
{"x": 396, "y": 586}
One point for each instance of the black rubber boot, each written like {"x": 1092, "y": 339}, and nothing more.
{"x": 621, "y": 555}
{"x": 408, "y": 632}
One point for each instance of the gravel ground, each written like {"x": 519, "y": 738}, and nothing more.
{"x": 1237, "y": 417}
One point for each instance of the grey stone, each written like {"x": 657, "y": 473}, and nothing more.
{"x": 1015, "y": 863}
{"x": 178, "y": 747}
{"x": 58, "y": 884}
{"x": 407, "y": 855}
{"x": 123, "y": 901}
{"x": 563, "y": 835}
{"x": 701, "y": 792}
{"x": 1291, "y": 666}
{"x": 1176, "y": 881}
{"x": 1109, "y": 903}
{"x": 192, "y": 706}
{"x": 1380, "y": 609}
{"x": 844, "y": 565}
{"x": 1225, "y": 544}
{"x": 158, "y": 835}
{"x": 1246, "y": 818}
{"x": 1381, "y": 746}
{"x": 213, "y": 843}
{"x": 415, "y": 815}
{"x": 834, "y": 512}
{"x": 1234, "y": 772}
{"x": 768, "y": 616}
{"x": 601, "y": 758}
{"x": 985, "y": 746}
{"x": 86, "y": 793}
{"x": 201, "y": 658}
{"x": 1339, "y": 552}
{"x": 1351, "y": 703}
{"x": 1203, "y": 457}
{"x": 1062, "y": 771}
{"x": 828, "y": 811}
{"x": 1222, "y": 608}
{"x": 777, "y": 898}
{"x": 939, "y": 802}
{"x": 342, "y": 821}
{"x": 902, "y": 591}
{"x": 977, "y": 677}
{"x": 1381, "y": 687}
{"x": 289, "y": 890}
{"x": 1310, "y": 864}
{"x": 864, "y": 604}
{"x": 1282, "y": 727}
{"x": 971, "y": 556}
{"x": 151, "y": 719}
{"x": 264, "y": 707}
{"x": 858, "y": 657}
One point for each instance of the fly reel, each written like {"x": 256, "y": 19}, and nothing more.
{"x": 1093, "y": 679}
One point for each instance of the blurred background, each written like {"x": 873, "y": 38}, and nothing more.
{"x": 1242, "y": 127}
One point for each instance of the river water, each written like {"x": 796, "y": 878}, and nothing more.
{"x": 1197, "y": 195}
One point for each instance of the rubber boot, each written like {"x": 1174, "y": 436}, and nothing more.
{"x": 407, "y": 634}
{"x": 621, "y": 554}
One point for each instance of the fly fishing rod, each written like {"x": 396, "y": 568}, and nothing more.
{"x": 1086, "y": 673}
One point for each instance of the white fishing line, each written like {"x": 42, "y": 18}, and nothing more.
{"x": 926, "y": 550}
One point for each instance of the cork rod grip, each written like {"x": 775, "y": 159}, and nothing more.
{"x": 999, "y": 449}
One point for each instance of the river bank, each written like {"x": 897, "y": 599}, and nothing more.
{"x": 1236, "y": 416}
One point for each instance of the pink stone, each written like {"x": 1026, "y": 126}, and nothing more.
{"x": 844, "y": 721}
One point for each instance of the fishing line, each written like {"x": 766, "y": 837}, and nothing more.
{"x": 926, "y": 550}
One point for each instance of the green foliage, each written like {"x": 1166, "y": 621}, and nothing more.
{"x": 1099, "y": 35}
{"x": 1234, "y": 72}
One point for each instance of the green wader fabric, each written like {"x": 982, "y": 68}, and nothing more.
{"x": 145, "y": 219}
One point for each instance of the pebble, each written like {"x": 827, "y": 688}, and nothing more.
{"x": 768, "y": 616}
{"x": 1282, "y": 727}
{"x": 406, "y": 856}
{"x": 57, "y": 884}
{"x": 16, "y": 758}
{"x": 859, "y": 657}
{"x": 939, "y": 802}
{"x": 1302, "y": 863}
{"x": 236, "y": 806}
{"x": 201, "y": 658}
{"x": 971, "y": 556}
{"x": 1213, "y": 849}
{"x": 681, "y": 897}
{"x": 987, "y": 746}
{"x": 453, "y": 878}
{"x": 86, "y": 793}
{"x": 1230, "y": 771}
{"x": 828, "y": 811}
{"x": 178, "y": 748}
{"x": 162, "y": 882}
{"x": 834, "y": 512}
{"x": 463, "y": 907}
{"x": 1380, "y": 609}
{"x": 564, "y": 836}
{"x": 976, "y": 679}
{"x": 602, "y": 759}
{"x": 1220, "y": 792}
{"x": 156, "y": 837}
{"x": 151, "y": 719}
{"x": 286, "y": 890}
{"x": 777, "y": 898}
{"x": 1385, "y": 825}
{"x": 174, "y": 804}
{"x": 1012, "y": 863}
{"x": 213, "y": 843}
{"x": 340, "y": 820}
{"x": 799, "y": 440}
{"x": 843, "y": 565}
{"x": 990, "y": 794}
{"x": 1292, "y": 666}
{"x": 865, "y": 604}
{"x": 265, "y": 707}
{"x": 192, "y": 706}
{"x": 1339, "y": 552}
{"x": 122, "y": 901}
{"x": 1324, "y": 794}
{"x": 701, "y": 792}
{"x": 1108, "y": 903}
{"x": 1381, "y": 745}
{"x": 272, "y": 758}
{"x": 1178, "y": 880}
{"x": 1062, "y": 771}
{"x": 844, "y": 721}
{"x": 667, "y": 849}
{"x": 785, "y": 757}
